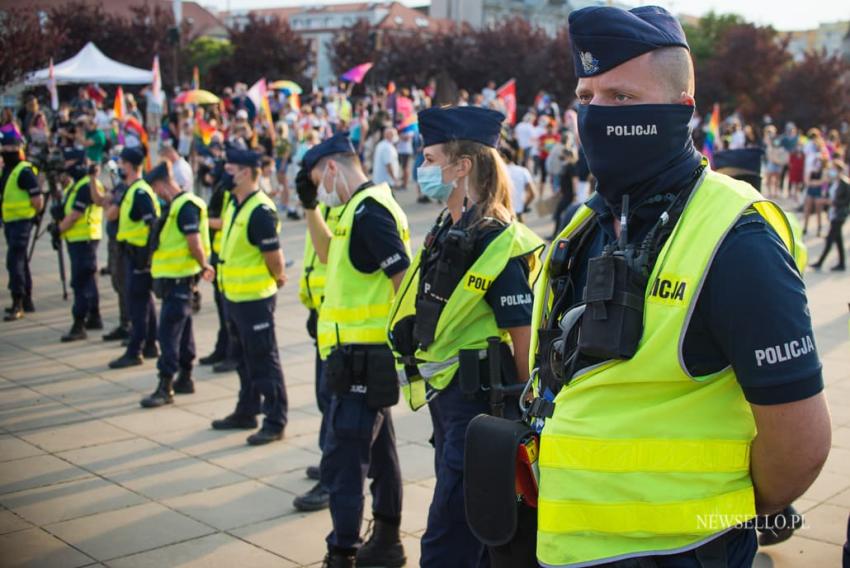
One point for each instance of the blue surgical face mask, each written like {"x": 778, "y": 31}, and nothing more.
{"x": 627, "y": 147}
{"x": 431, "y": 182}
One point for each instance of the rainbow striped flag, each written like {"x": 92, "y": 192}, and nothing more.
{"x": 712, "y": 135}
{"x": 203, "y": 129}
{"x": 409, "y": 124}
{"x": 119, "y": 108}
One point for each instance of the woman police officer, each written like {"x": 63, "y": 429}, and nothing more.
{"x": 465, "y": 300}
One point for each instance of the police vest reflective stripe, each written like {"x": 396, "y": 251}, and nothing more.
{"x": 133, "y": 232}
{"x": 619, "y": 479}
{"x": 216, "y": 243}
{"x": 356, "y": 305}
{"x": 242, "y": 272}
{"x": 89, "y": 225}
{"x": 172, "y": 257}
{"x": 311, "y": 284}
{"x": 16, "y": 201}
{"x": 467, "y": 320}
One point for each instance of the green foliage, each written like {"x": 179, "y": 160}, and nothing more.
{"x": 205, "y": 53}
{"x": 708, "y": 33}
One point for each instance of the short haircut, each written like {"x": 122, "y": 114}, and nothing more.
{"x": 675, "y": 68}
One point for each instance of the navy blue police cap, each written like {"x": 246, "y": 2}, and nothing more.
{"x": 603, "y": 37}
{"x": 339, "y": 143}
{"x": 439, "y": 125}
{"x": 247, "y": 158}
{"x": 133, "y": 155}
{"x": 158, "y": 173}
{"x": 745, "y": 161}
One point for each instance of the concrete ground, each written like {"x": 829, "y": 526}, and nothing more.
{"x": 89, "y": 478}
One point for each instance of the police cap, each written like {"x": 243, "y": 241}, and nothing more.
{"x": 439, "y": 125}
{"x": 603, "y": 37}
{"x": 337, "y": 144}
{"x": 160, "y": 173}
{"x": 134, "y": 156}
{"x": 734, "y": 163}
{"x": 240, "y": 157}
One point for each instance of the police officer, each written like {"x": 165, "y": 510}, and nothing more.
{"x": 115, "y": 259}
{"x": 22, "y": 201}
{"x": 221, "y": 357}
{"x": 366, "y": 255}
{"x": 465, "y": 301}
{"x": 677, "y": 376}
{"x": 251, "y": 268}
{"x": 311, "y": 291}
{"x": 82, "y": 227}
{"x": 180, "y": 254}
{"x": 137, "y": 217}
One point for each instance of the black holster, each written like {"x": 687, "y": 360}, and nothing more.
{"x": 371, "y": 367}
{"x": 496, "y": 517}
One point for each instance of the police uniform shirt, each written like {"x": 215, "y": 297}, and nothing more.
{"x": 117, "y": 196}
{"x": 142, "y": 208}
{"x": 27, "y": 180}
{"x": 751, "y": 313}
{"x": 189, "y": 217}
{"x": 262, "y": 226}
{"x": 83, "y": 198}
{"x": 375, "y": 241}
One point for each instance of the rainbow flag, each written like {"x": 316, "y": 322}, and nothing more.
{"x": 119, "y": 107}
{"x": 11, "y": 130}
{"x": 203, "y": 129}
{"x": 712, "y": 134}
{"x": 409, "y": 124}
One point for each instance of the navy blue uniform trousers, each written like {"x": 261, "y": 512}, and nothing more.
{"x": 83, "y": 256}
{"x": 447, "y": 541}
{"x": 359, "y": 442}
{"x": 140, "y": 306}
{"x": 176, "y": 337}
{"x": 222, "y": 340}
{"x": 255, "y": 350}
{"x": 17, "y": 264}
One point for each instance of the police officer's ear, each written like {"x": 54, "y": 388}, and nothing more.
{"x": 686, "y": 99}
{"x": 463, "y": 166}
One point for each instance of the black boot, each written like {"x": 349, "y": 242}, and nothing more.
{"x": 383, "y": 548}
{"x": 338, "y": 559}
{"x": 264, "y": 436}
{"x": 16, "y": 310}
{"x": 150, "y": 351}
{"x": 116, "y": 334}
{"x": 313, "y": 472}
{"x": 94, "y": 321}
{"x": 164, "y": 393}
{"x": 235, "y": 422}
{"x": 316, "y": 499}
{"x": 125, "y": 361}
{"x": 77, "y": 331}
{"x": 29, "y": 307}
{"x": 226, "y": 366}
{"x": 184, "y": 383}
{"x": 211, "y": 359}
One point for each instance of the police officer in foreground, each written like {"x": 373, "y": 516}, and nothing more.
{"x": 182, "y": 246}
{"x": 676, "y": 366}
{"x": 366, "y": 255}
{"x": 22, "y": 201}
{"x": 311, "y": 292}
{"x": 251, "y": 268}
{"x": 137, "y": 217}
{"x": 82, "y": 227}
{"x": 461, "y": 321}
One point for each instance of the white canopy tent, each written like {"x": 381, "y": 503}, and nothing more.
{"x": 90, "y": 65}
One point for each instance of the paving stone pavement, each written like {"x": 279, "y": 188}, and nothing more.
{"x": 88, "y": 478}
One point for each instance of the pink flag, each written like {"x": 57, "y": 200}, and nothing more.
{"x": 51, "y": 86}
{"x": 356, "y": 74}
{"x": 156, "y": 84}
{"x": 507, "y": 94}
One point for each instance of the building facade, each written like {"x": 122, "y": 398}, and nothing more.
{"x": 832, "y": 38}
{"x": 550, "y": 15}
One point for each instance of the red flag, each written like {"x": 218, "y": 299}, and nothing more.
{"x": 119, "y": 107}
{"x": 507, "y": 94}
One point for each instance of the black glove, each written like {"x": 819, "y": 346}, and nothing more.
{"x": 57, "y": 212}
{"x": 313, "y": 324}
{"x": 53, "y": 229}
{"x": 306, "y": 189}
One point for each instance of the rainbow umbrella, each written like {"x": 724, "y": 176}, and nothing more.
{"x": 291, "y": 86}
{"x": 197, "y": 97}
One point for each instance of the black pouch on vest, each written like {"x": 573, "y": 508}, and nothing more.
{"x": 428, "y": 313}
{"x": 338, "y": 370}
{"x": 612, "y": 324}
{"x": 381, "y": 378}
{"x": 469, "y": 372}
{"x": 493, "y": 512}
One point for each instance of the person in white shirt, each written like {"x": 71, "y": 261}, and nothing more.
{"x": 738, "y": 139}
{"x": 489, "y": 93}
{"x": 385, "y": 166}
{"x": 523, "y": 134}
{"x": 180, "y": 169}
{"x": 522, "y": 183}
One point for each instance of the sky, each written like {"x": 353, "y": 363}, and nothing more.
{"x": 781, "y": 14}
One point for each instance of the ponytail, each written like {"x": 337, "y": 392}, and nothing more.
{"x": 488, "y": 178}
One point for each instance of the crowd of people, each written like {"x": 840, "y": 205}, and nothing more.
{"x": 192, "y": 192}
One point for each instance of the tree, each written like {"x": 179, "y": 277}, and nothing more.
{"x": 813, "y": 92}
{"x": 353, "y": 46}
{"x": 263, "y": 47}
{"x": 704, "y": 38}
{"x": 205, "y": 53}
{"x": 24, "y": 45}
{"x": 743, "y": 73}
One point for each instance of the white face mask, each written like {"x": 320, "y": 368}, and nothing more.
{"x": 329, "y": 198}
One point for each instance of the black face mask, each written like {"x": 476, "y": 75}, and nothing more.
{"x": 11, "y": 159}
{"x": 637, "y": 149}
{"x": 227, "y": 182}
